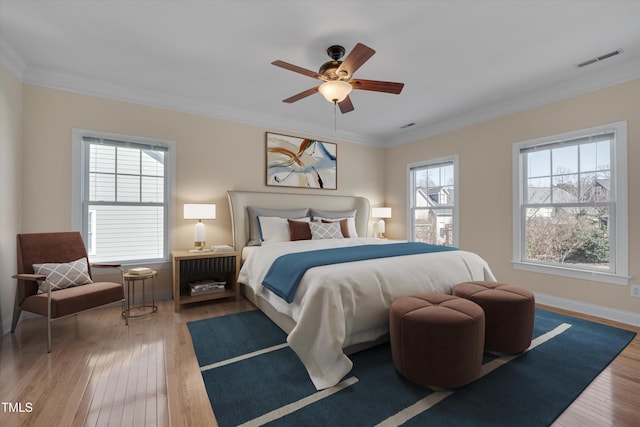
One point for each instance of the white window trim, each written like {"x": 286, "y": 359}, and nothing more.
{"x": 77, "y": 174}
{"x": 91, "y": 246}
{"x": 411, "y": 196}
{"x": 621, "y": 238}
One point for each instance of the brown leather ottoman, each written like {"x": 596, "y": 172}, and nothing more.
{"x": 437, "y": 340}
{"x": 509, "y": 312}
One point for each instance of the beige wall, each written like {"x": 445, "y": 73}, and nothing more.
{"x": 485, "y": 186}
{"x": 213, "y": 156}
{"x": 10, "y": 183}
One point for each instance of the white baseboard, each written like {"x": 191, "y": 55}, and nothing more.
{"x": 628, "y": 317}
{"x": 6, "y": 325}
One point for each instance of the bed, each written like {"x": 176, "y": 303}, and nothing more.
{"x": 340, "y": 308}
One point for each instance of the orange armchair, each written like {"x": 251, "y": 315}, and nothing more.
{"x": 37, "y": 293}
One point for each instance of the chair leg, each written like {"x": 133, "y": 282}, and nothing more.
{"x": 49, "y": 335}
{"x": 16, "y": 314}
{"x": 49, "y": 319}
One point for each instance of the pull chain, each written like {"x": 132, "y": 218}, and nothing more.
{"x": 335, "y": 128}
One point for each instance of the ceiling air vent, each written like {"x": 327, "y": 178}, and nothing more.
{"x": 599, "y": 58}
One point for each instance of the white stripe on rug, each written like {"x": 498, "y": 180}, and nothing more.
{"x": 496, "y": 363}
{"x": 294, "y": 406}
{"x": 416, "y": 409}
{"x": 434, "y": 398}
{"x": 243, "y": 357}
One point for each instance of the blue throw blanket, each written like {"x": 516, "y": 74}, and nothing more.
{"x": 286, "y": 271}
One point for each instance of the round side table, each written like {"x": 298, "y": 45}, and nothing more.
{"x": 143, "y": 308}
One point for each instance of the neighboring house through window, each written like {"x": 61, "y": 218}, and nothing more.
{"x": 570, "y": 209}
{"x": 432, "y": 201}
{"x": 121, "y": 203}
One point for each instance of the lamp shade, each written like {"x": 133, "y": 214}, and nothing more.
{"x": 335, "y": 90}
{"x": 381, "y": 212}
{"x": 199, "y": 211}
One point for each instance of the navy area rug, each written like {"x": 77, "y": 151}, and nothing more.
{"x": 253, "y": 378}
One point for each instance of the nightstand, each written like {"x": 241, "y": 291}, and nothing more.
{"x": 204, "y": 267}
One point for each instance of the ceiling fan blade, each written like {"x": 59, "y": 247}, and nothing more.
{"x": 345, "y": 105}
{"x": 301, "y": 95}
{"x": 358, "y": 56}
{"x": 297, "y": 69}
{"x": 378, "y": 86}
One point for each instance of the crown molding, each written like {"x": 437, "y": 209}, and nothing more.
{"x": 10, "y": 60}
{"x": 588, "y": 82}
{"x": 117, "y": 92}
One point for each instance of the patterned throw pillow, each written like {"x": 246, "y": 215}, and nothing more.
{"x": 344, "y": 226}
{"x": 63, "y": 275}
{"x": 321, "y": 230}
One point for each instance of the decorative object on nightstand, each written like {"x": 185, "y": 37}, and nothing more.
{"x": 199, "y": 211}
{"x": 204, "y": 276}
{"x": 222, "y": 248}
{"x": 139, "y": 271}
{"x": 379, "y": 227}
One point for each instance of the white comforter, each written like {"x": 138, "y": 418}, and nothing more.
{"x": 339, "y": 305}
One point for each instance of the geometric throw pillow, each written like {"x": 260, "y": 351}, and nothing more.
{"x": 344, "y": 226}
{"x": 332, "y": 214}
{"x": 63, "y": 275}
{"x": 321, "y": 230}
{"x": 351, "y": 224}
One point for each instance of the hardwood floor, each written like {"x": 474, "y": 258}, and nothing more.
{"x": 101, "y": 373}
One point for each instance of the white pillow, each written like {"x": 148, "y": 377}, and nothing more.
{"x": 255, "y": 212}
{"x": 275, "y": 229}
{"x": 63, "y": 275}
{"x": 326, "y": 230}
{"x": 351, "y": 223}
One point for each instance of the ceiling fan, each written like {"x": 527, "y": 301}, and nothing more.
{"x": 338, "y": 77}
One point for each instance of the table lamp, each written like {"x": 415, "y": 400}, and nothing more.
{"x": 379, "y": 226}
{"x": 199, "y": 211}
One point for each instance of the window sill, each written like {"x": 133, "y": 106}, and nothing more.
{"x": 154, "y": 265}
{"x": 596, "y": 276}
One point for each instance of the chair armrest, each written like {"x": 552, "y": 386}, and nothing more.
{"x": 106, "y": 265}
{"x": 31, "y": 277}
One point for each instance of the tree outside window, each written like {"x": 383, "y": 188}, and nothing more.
{"x": 570, "y": 204}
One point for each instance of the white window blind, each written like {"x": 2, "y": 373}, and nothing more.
{"x": 124, "y": 200}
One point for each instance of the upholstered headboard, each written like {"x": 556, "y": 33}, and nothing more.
{"x": 240, "y": 200}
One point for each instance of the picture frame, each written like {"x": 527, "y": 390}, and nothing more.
{"x": 301, "y": 162}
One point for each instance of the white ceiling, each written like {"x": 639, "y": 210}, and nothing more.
{"x": 462, "y": 62}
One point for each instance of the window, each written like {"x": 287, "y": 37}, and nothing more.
{"x": 433, "y": 202}
{"x": 124, "y": 197}
{"x": 571, "y": 214}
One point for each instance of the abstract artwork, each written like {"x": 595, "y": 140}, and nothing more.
{"x": 301, "y": 162}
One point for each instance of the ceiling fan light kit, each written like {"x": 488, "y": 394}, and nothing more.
{"x": 337, "y": 77}
{"x": 335, "y": 91}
